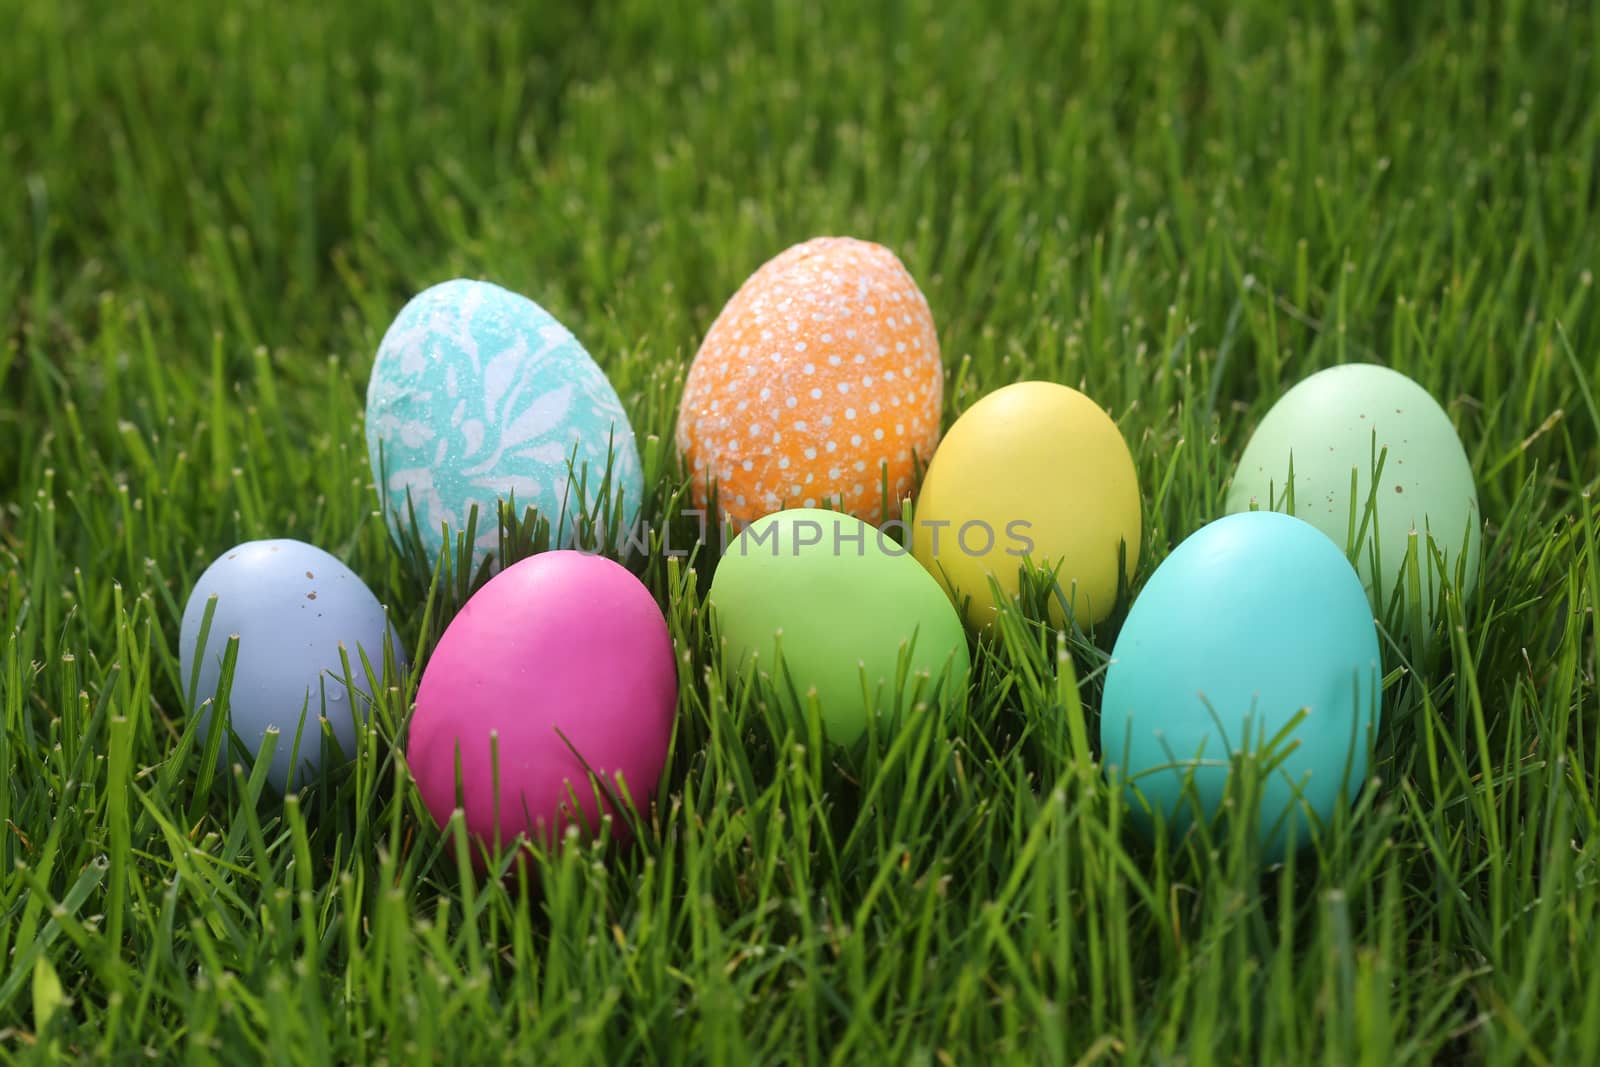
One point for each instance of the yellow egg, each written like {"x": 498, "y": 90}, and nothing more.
{"x": 1038, "y": 472}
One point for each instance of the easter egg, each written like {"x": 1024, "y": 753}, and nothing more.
{"x": 1032, "y": 472}
{"x": 1251, "y": 621}
{"x": 819, "y": 382}
{"x": 295, "y": 608}
{"x": 561, "y": 665}
{"x": 479, "y": 395}
{"x": 849, "y": 609}
{"x": 1334, "y": 426}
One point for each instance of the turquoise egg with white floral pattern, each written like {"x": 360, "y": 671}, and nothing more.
{"x": 479, "y": 395}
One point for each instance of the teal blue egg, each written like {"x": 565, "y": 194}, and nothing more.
{"x": 1250, "y": 622}
{"x": 479, "y": 395}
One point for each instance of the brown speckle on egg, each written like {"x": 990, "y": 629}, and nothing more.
{"x": 311, "y": 596}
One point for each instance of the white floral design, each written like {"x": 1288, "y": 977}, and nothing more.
{"x": 479, "y": 394}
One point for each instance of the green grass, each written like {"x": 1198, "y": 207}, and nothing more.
{"x": 211, "y": 212}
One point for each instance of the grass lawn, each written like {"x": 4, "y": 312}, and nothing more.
{"x": 212, "y": 212}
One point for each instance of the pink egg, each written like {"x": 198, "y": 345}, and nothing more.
{"x": 559, "y": 645}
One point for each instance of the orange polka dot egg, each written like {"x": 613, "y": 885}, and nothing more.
{"x": 819, "y": 384}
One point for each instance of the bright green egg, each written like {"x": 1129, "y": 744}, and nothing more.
{"x": 859, "y": 622}
{"x": 1409, "y": 469}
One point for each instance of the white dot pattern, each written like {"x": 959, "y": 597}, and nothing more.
{"x": 830, "y": 333}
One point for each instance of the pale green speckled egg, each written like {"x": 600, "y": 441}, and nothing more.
{"x": 1364, "y": 420}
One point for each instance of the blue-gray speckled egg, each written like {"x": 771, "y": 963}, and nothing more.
{"x": 478, "y": 393}
{"x": 292, "y": 605}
